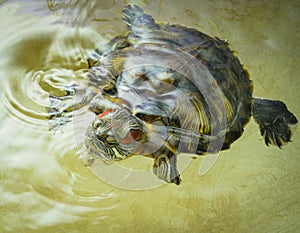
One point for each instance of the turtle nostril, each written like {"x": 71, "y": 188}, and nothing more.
{"x": 97, "y": 124}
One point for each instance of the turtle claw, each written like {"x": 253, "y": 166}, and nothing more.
{"x": 278, "y": 133}
{"x": 131, "y": 12}
{"x": 58, "y": 114}
{"x": 274, "y": 120}
{"x": 57, "y": 118}
{"x": 136, "y": 20}
{"x": 62, "y": 107}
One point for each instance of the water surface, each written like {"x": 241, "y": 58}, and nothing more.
{"x": 45, "y": 186}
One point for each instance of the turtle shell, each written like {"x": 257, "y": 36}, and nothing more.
{"x": 166, "y": 89}
{"x": 191, "y": 83}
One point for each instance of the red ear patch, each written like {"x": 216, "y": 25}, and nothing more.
{"x": 104, "y": 113}
{"x": 132, "y": 136}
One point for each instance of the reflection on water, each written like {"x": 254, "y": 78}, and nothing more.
{"x": 46, "y": 187}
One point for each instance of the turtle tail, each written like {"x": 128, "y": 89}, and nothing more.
{"x": 136, "y": 19}
{"x": 274, "y": 120}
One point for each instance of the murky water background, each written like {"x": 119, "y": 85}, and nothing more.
{"x": 44, "y": 185}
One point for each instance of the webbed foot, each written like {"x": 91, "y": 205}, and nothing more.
{"x": 274, "y": 121}
{"x": 57, "y": 117}
{"x": 61, "y": 108}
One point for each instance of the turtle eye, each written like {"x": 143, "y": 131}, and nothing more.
{"x": 133, "y": 136}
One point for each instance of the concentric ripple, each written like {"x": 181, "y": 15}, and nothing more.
{"x": 40, "y": 171}
{"x": 40, "y": 65}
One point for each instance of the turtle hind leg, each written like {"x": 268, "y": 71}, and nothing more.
{"x": 274, "y": 121}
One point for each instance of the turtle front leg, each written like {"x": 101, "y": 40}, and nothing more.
{"x": 165, "y": 167}
{"x": 75, "y": 98}
{"x": 62, "y": 107}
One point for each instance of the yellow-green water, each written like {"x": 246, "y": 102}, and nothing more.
{"x": 44, "y": 185}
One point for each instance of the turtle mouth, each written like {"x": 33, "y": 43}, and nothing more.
{"x": 106, "y": 140}
{"x": 100, "y": 147}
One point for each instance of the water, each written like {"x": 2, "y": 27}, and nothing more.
{"x": 45, "y": 186}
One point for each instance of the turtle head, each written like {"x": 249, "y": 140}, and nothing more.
{"x": 115, "y": 134}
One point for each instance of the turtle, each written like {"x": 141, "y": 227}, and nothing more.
{"x": 164, "y": 89}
